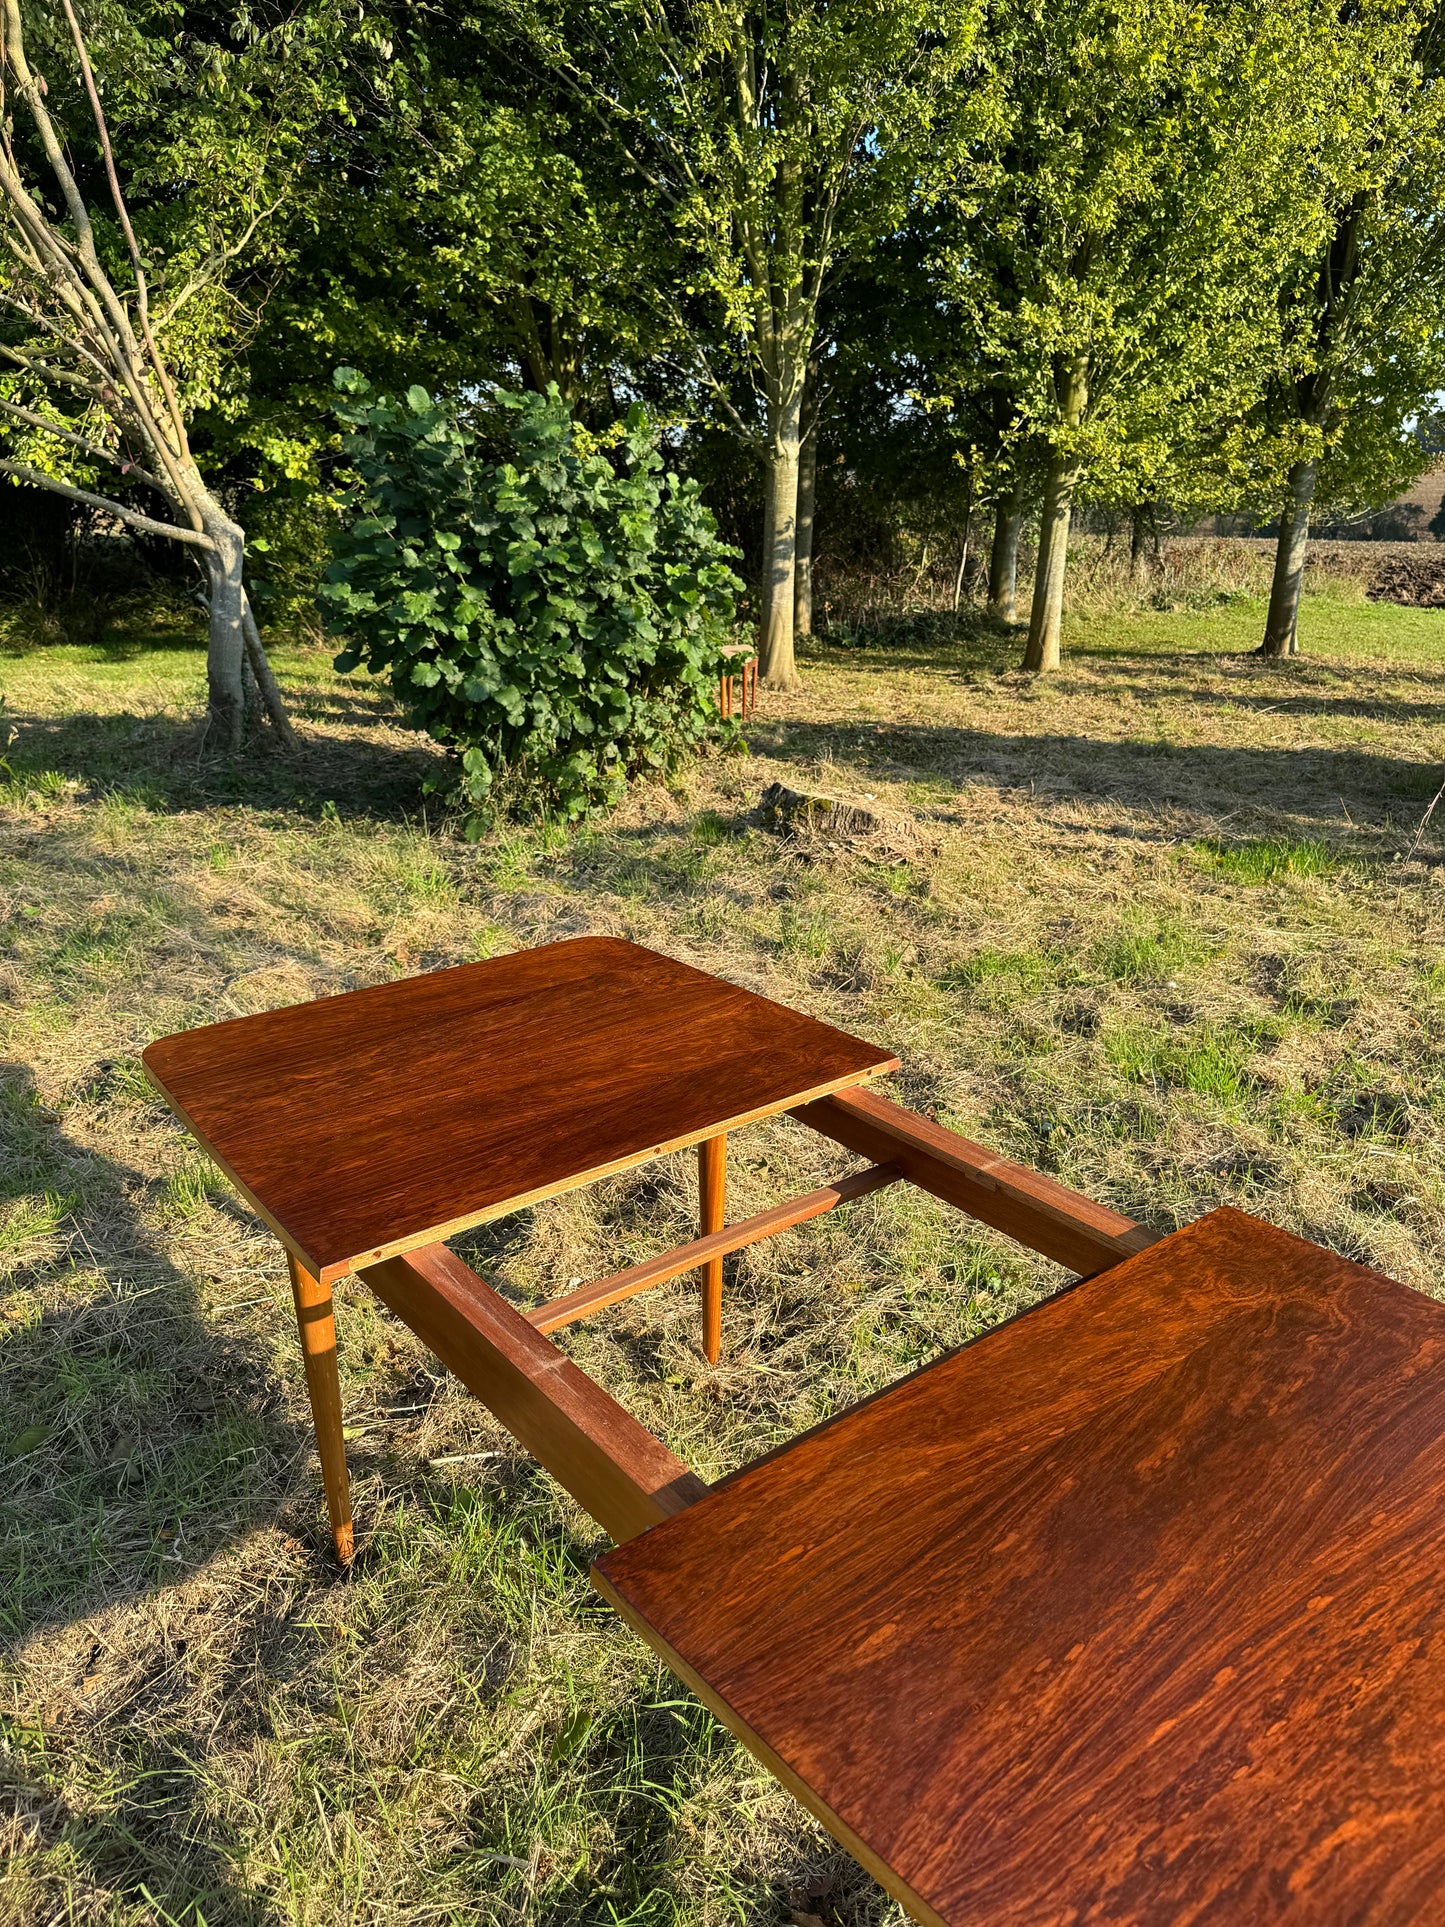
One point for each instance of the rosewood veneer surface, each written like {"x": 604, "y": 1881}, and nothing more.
{"x": 392, "y": 1116}
{"x": 1131, "y": 1611}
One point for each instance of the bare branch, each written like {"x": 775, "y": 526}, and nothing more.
{"x": 47, "y": 372}
{"x": 141, "y": 297}
{"x": 24, "y": 473}
{"x": 265, "y": 677}
{"x": 216, "y": 261}
{"x": 122, "y": 462}
{"x": 32, "y": 91}
{"x": 90, "y": 296}
{"x": 37, "y": 317}
{"x": 119, "y": 361}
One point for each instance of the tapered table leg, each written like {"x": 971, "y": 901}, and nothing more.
{"x": 712, "y": 1164}
{"x": 317, "y": 1320}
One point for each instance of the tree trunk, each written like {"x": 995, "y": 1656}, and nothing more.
{"x": 1138, "y": 528}
{"x": 251, "y": 694}
{"x": 780, "y": 545}
{"x": 260, "y": 666}
{"x": 1281, "y": 627}
{"x": 226, "y": 648}
{"x": 803, "y": 560}
{"x": 964, "y": 538}
{"x": 765, "y": 580}
{"x": 1047, "y": 613}
{"x": 1003, "y": 558}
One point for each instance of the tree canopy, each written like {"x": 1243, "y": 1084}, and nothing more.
{"x": 990, "y": 258}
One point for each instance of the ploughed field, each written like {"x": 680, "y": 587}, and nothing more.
{"x": 1162, "y": 926}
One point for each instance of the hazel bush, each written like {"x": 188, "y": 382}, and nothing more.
{"x": 553, "y": 617}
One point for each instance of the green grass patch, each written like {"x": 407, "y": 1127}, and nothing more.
{"x": 1147, "y": 949}
{"x": 1265, "y": 859}
{"x": 804, "y": 933}
{"x": 27, "y": 1218}
{"x": 1019, "y": 969}
{"x": 1210, "y": 1062}
{"x": 195, "y": 1185}
{"x": 1328, "y": 628}
{"x": 26, "y": 789}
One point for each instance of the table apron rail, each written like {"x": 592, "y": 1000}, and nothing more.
{"x": 1046, "y": 1216}
{"x": 624, "y": 1477}
{"x": 558, "y": 1312}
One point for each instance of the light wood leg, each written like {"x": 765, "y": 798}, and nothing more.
{"x": 712, "y": 1166}
{"x": 317, "y": 1321}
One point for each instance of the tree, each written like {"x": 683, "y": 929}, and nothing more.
{"x": 1364, "y": 309}
{"x": 119, "y": 330}
{"x": 782, "y": 144}
{"x": 458, "y": 222}
{"x": 1112, "y": 275}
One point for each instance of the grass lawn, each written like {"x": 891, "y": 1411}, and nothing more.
{"x": 1160, "y": 933}
{"x": 1329, "y": 627}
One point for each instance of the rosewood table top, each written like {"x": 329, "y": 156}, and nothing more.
{"x": 1131, "y": 1611}
{"x": 373, "y": 1123}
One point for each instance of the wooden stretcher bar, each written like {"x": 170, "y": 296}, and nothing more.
{"x": 558, "y": 1312}
{"x": 1048, "y": 1217}
{"x": 614, "y": 1468}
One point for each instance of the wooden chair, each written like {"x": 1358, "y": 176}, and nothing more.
{"x": 1129, "y": 1611}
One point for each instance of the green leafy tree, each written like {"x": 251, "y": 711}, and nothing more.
{"x": 462, "y": 223}
{"x": 781, "y": 145}
{"x": 1114, "y": 275}
{"x": 545, "y": 614}
{"x": 120, "y": 287}
{"x": 1363, "y": 310}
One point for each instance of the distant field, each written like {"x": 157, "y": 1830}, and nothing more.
{"x": 1161, "y": 928}
{"x": 1328, "y": 628}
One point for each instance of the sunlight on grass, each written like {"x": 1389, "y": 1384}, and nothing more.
{"x": 22, "y": 789}
{"x": 1210, "y": 1063}
{"x": 25, "y": 1219}
{"x": 1068, "y": 967}
{"x": 1147, "y": 949}
{"x": 1265, "y": 858}
{"x": 1328, "y": 628}
{"x": 803, "y": 933}
{"x": 193, "y": 1187}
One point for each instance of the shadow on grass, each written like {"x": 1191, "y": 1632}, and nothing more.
{"x": 139, "y": 1441}
{"x": 380, "y": 780}
{"x": 1380, "y": 791}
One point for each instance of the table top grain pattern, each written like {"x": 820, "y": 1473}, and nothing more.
{"x": 386, "y": 1118}
{"x": 1132, "y": 1610}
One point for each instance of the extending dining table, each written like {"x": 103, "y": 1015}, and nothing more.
{"x": 1131, "y": 1610}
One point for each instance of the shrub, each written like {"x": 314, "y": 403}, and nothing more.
{"x": 547, "y": 614}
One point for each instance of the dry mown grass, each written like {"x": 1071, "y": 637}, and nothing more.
{"x": 1154, "y": 939}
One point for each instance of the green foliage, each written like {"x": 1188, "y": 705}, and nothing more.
{"x": 1134, "y": 216}
{"x": 548, "y": 615}
{"x": 1363, "y": 341}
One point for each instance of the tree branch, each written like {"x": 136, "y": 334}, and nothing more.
{"x": 141, "y": 297}
{"x": 265, "y": 676}
{"x": 86, "y": 447}
{"x": 24, "y": 473}
{"x": 64, "y": 377}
